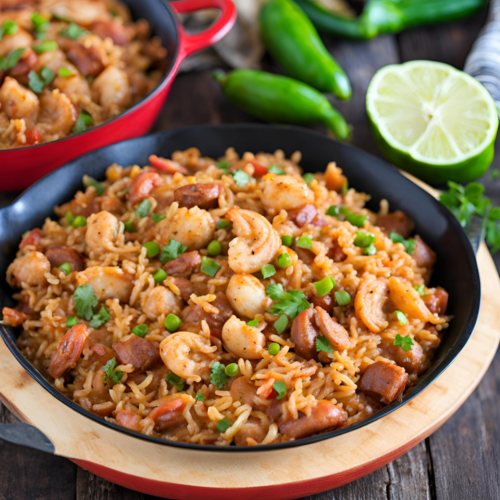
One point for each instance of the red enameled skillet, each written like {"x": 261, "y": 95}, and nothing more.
{"x": 20, "y": 167}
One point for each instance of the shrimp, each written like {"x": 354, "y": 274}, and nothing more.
{"x": 12, "y": 317}
{"x": 107, "y": 282}
{"x": 29, "y": 269}
{"x": 102, "y": 229}
{"x": 188, "y": 355}
{"x": 19, "y": 40}
{"x": 247, "y": 295}
{"x": 18, "y": 102}
{"x": 57, "y": 116}
{"x": 142, "y": 185}
{"x": 160, "y": 300}
{"x": 284, "y": 192}
{"x": 369, "y": 303}
{"x": 111, "y": 89}
{"x": 69, "y": 349}
{"x": 82, "y": 12}
{"x": 193, "y": 227}
{"x": 242, "y": 340}
{"x": 256, "y": 244}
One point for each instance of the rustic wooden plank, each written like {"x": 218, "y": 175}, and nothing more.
{"x": 28, "y": 474}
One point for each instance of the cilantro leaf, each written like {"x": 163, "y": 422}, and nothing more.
{"x": 100, "y": 318}
{"x": 85, "y": 300}
{"x": 241, "y": 177}
{"x": 199, "y": 397}
{"x": 109, "y": 370}
{"x": 176, "y": 381}
{"x": 157, "y": 218}
{"x": 218, "y": 376}
{"x": 172, "y": 251}
{"x": 290, "y": 303}
{"x": 322, "y": 345}
{"x": 405, "y": 342}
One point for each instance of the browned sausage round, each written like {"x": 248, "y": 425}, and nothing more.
{"x": 385, "y": 380}
{"x": 396, "y": 222}
{"x": 184, "y": 266}
{"x": 437, "y": 302}
{"x": 68, "y": 351}
{"x": 303, "y": 335}
{"x": 137, "y": 351}
{"x": 58, "y": 255}
{"x": 198, "y": 195}
{"x": 142, "y": 185}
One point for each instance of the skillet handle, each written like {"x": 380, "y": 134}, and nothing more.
{"x": 188, "y": 44}
{"x": 26, "y": 435}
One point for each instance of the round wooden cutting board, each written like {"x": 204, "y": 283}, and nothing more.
{"x": 181, "y": 474}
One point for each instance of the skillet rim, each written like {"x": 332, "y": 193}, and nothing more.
{"x": 428, "y": 378}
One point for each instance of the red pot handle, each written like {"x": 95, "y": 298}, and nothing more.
{"x": 192, "y": 43}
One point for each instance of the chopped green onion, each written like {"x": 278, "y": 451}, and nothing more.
{"x": 287, "y": 240}
{"x": 345, "y": 187}
{"x": 65, "y": 267}
{"x": 284, "y": 260}
{"x": 405, "y": 342}
{"x": 79, "y": 221}
{"x": 40, "y": 25}
{"x": 232, "y": 370}
{"x": 421, "y": 290}
{"x": 268, "y": 270}
{"x": 176, "y": 381}
{"x": 25, "y": 234}
{"x": 324, "y": 286}
{"x": 273, "y": 349}
{"x": 322, "y": 345}
{"x": 37, "y": 83}
{"x": 8, "y": 28}
{"x": 83, "y": 122}
{"x": 370, "y": 250}
{"x": 332, "y": 280}
{"x": 109, "y": 370}
{"x": 401, "y": 317}
{"x": 342, "y": 298}
{"x": 47, "y": 46}
{"x": 129, "y": 226}
{"x": 172, "y": 251}
{"x": 209, "y": 266}
{"x": 305, "y": 242}
{"x": 199, "y": 397}
{"x": 223, "y": 224}
{"x": 409, "y": 244}
{"x": 73, "y": 31}
{"x": 354, "y": 219}
{"x": 157, "y": 218}
{"x": 69, "y": 218}
{"x": 90, "y": 181}
{"x": 65, "y": 72}
{"x": 11, "y": 59}
{"x": 495, "y": 174}
{"x": 143, "y": 209}
{"x": 224, "y": 424}
{"x": 281, "y": 324}
{"x": 308, "y": 178}
{"x": 333, "y": 211}
{"x": 223, "y": 165}
{"x": 274, "y": 169}
{"x": 172, "y": 323}
{"x": 71, "y": 321}
{"x": 152, "y": 249}
{"x": 280, "y": 388}
{"x": 253, "y": 322}
{"x": 363, "y": 239}
{"x": 140, "y": 330}
{"x": 160, "y": 276}
{"x": 214, "y": 248}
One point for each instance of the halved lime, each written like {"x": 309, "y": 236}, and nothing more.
{"x": 432, "y": 120}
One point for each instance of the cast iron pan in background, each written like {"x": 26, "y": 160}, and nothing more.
{"x": 456, "y": 268}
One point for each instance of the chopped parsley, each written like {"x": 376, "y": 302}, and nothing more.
{"x": 100, "y": 318}
{"x": 143, "y": 209}
{"x": 85, "y": 300}
{"x": 176, "y": 381}
{"x": 140, "y": 330}
{"x": 218, "y": 375}
{"x": 157, "y": 218}
{"x": 290, "y": 303}
{"x": 408, "y": 244}
{"x": 224, "y": 424}
{"x": 83, "y": 122}
{"x": 199, "y": 397}
{"x": 274, "y": 169}
{"x": 241, "y": 177}
{"x": 172, "y": 251}
{"x": 209, "y": 266}
{"x": 281, "y": 324}
{"x": 90, "y": 181}
{"x": 405, "y": 342}
{"x": 322, "y": 345}
{"x": 109, "y": 370}
{"x": 280, "y": 388}
{"x": 11, "y": 59}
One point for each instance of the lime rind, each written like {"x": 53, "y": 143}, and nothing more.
{"x": 431, "y": 113}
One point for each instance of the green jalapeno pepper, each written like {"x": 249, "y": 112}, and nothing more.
{"x": 294, "y": 42}
{"x": 388, "y": 16}
{"x": 279, "y": 99}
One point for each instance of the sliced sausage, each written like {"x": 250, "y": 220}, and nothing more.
{"x": 252, "y": 429}
{"x": 88, "y": 60}
{"x": 137, "y": 351}
{"x": 142, "y": 185}
{"x": 69, "y": 349}
{"x": 325, "y": 302}
{"x": 335, "y": 333}
{"x": 168, "y": 414}
{"x": 413, "y": 361}
{"x": 195, "y": 314}
{"x": 32, "y": 239}
{"x": 385, "y": 380}
{"x": 437, "y": 302}
{"x": 12, "y": 317}
{"x": 396, "y": 222}
{"x": 58, "y": 255}
{"x": 110, "y": 29}
{"x": 184, "y": 266}
{"x": 128, "y": 420}
{"x": 198, "y": 195}
{"x": 423, "y": 255}
{"x": 304, "y": 334}
{"x": 185, "y": 287}
{"x": 324, "y": 416}
{"x": 336, "y": 252}
{"x": 303, "y": 215}
{"x": 244, "y": 391}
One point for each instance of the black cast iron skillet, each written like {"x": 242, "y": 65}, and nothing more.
{"x": 456, "y": 268}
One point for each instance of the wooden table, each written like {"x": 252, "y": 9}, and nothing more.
{"x": 459, "y": 461}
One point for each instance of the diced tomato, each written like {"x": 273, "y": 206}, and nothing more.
{"x": 259, "y": 169}
{"x": 33, "y": 137}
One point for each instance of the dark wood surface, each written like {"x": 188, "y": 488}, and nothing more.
{"x": 459, "y": 461}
